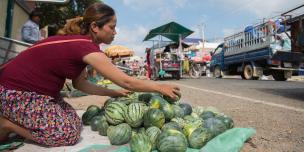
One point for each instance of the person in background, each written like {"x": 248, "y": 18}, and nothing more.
{"x": 30, "y": 31}
{"x": 30, "y": 84}
{"x": 186, "y": 65}
{"x": 148, "y": 63}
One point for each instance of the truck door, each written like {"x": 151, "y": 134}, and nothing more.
{"x": 217, "y": 57}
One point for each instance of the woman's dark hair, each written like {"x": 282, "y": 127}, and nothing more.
{"x": 97, "y": 12}
{"x": 35, "y": 13}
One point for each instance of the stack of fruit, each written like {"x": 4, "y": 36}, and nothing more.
{"x": 149, "y": 121}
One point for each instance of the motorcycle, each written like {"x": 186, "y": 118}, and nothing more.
{"x": 198, "y": 69}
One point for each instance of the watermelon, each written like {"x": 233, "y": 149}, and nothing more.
{"x": 108, "y": 101}
{"x": 154, "y": 117}
{"x": 120, "y": 134}
{"x": 140, "y": 142}
{"x": 167, "y": 110}
{"x": 199, "y": 137}
{"x": 190, "y": 127}
{"x": 96, "y": 122}
{"x": 207, "y": 114}
{"x": 227, "y": 121}
{"x": 102, "y": 128}
{"x": 145, "y": 97}
{"x": 153, "y": 132}
{"x": 134, "y": 114}
{"x": 215, "y": 125}
{"x": 156, "y": 101}
{"x": 178, "y": 111}
{"x": 93, "y": 107}
{"x": 170, "y": 100}
{"x": 91, "y": 112}
{"x": 115, "y": 112}
{"x": 172, "y": 125}
{"x": 172, "y": 141}
{"x": 187, "y": 108}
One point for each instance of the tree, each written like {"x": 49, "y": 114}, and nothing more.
{"x": 57, "y": 14}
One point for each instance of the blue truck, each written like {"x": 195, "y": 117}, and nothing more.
{"x": 271, "y": 48}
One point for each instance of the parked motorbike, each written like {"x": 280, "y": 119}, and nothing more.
{"x": 198, "y": 69}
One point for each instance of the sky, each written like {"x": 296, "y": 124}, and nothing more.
{"x": 215, "y": 18}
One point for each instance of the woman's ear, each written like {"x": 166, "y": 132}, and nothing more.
{"x": 94, "y": 27}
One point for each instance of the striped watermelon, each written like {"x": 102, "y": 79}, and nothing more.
{"x": 153, "y": 132}
{"x": 172, "y": 125}
{"x": 154, "y": 117}
{"x": 120, "y": 134}
{"x": 199, "y": 137}
{"x": 114, "y": 112}
{"x": 178, "y": 111}
{"x": 140, "y": 142}
{"x": 134, "y": 114}
{"x": 172, "y": 141}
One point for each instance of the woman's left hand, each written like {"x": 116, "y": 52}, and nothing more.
{"x": 120, "y": 93}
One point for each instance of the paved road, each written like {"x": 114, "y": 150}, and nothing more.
{"x": 275, "y": 109}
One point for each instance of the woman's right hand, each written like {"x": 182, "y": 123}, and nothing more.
{"x": 170, "y": 90}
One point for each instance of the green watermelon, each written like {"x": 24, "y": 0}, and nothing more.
{"x": 172, "y": 125}
{"x": 91, "y": 112}
{"x": 167, "y": 110}
{"x": 154, "y": 117}
{"x": 134, "y": 114}
{"x": 156, "y": 101}
{"x": 190, "y": 127}
{"x": 227, "y": 121}
{"x": 170, "y": 100}
{"x": 199, "y": 137}
{"x": 115, "y": 112}
{"x": 187, "y": 108}
{"x": 178, "y": 111}
{"x": 120, "y": 134}
{"x": 145, "y": 97}
{"x": 172, "y": 141}
{"x": 153, "y": 132}
{"x": 140, "y": 142}
{"x": 102, "y": 128}
{"x": 207, "y": 114}
{"x": 215, "y": 125}
{"x": 96, "y": 122}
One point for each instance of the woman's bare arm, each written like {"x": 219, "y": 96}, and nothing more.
{"x": 82, "y": 84}
{"x": 104, "y": 66}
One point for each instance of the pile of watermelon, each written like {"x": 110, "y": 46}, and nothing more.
{"x": 149, "y": 121}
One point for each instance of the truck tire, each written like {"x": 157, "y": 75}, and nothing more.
{"x": 278, "y": 75}
{"x": 248, "y": 72}
{"x": 217, "y": 73}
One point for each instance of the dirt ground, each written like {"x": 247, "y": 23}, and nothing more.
{"x": 277, "y": 130}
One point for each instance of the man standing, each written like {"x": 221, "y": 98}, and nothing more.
{"x": 30, "y": 30}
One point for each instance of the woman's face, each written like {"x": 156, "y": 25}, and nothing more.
{"x": 106, "y": 33}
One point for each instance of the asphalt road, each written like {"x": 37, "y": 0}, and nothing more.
{"x": 275, "y": 109}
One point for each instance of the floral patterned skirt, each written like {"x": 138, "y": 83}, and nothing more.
{"x": 51, "y": 122}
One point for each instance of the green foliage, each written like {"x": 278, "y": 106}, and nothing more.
{"x": 56, "y": 13}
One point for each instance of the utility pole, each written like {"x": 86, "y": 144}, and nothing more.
{"x": 201, "y": 28}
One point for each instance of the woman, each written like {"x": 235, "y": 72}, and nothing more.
{"x": 30, "y": 84}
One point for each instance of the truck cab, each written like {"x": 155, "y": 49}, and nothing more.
{"x": 258, "y": 50}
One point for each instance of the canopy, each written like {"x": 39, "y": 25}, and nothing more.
{"x": 171, "y": 31}
{"x": 118, "y": 51}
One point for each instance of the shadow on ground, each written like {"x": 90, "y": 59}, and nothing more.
{"x": 294, "y": 93}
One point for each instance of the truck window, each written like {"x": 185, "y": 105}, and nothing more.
{"x": 218, "y": 50}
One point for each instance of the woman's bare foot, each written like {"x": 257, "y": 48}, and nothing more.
{"x": 3, "y": 130}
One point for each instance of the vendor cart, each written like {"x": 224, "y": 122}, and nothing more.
{"x": 166, "y": 59}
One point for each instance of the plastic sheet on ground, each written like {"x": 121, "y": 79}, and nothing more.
{"x": 231, "y": 140}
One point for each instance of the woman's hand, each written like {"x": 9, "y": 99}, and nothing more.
{"x": 120, "y": 93}
{"x": 170, "y": 90}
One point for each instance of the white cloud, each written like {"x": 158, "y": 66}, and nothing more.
{"x": 261, "y": 8}
{"x": 132, "y": 38}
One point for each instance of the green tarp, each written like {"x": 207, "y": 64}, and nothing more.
{"x": 170, "y": 30}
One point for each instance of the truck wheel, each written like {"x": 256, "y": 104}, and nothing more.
{"x": 217, "y": 72}
{"x": 279, "y": 75}
{"x": 248, "y": 72}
